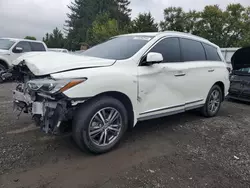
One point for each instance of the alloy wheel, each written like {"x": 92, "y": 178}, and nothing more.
{"x": 105, "y": 126}
{"x": 214, "y": 101}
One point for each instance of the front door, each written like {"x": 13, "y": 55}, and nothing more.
{"x": 161, "y": 85}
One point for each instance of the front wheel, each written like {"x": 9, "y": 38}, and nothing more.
{"x": 100, "y": 124}
{"x": 213, "y": 102}
{"x": 2, "y": 69}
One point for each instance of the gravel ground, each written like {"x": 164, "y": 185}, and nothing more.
{"x": 184, "y": 150}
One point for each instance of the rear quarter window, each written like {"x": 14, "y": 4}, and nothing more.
{"x": 37, "y": 46}
{"x": 212, "y": 53}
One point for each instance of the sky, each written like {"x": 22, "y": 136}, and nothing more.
{"x": 19, "y": 18}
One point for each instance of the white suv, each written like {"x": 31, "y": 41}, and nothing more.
{"x": 11, "y": 48}
{"x": 126, "y": 79}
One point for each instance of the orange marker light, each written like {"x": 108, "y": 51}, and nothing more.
{"x": 71, "y": 84}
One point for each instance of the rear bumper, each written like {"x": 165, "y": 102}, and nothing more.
{"x": 238, "y": 98}
{"x": 239, "y": 95}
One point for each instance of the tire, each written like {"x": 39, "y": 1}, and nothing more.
{"x": 206, "y": 109}
{"x": 85, "y": 116}
{"x": 2, "y": 69}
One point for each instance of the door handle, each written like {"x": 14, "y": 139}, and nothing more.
{"x": 180, "y": 74}
{"x": 211, "y": 70}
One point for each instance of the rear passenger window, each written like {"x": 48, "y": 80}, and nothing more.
{"x": 36, "y": 46}
{"x": 192, "y": 50}
{"x": 169, "y": 48}
{"x": 212, "y": 54}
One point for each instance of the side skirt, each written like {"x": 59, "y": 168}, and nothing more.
{"x": 170, "y": 113}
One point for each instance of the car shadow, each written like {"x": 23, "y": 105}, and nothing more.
{"x": 142, "y": 129}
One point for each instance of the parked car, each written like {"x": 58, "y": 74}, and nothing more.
{"x": 11, "y": 48}
{"x": 115, "y": 84}
{"x": 58, "y": 50}
{"x": 240, "y": 79}
{"x": 228, "y": 54}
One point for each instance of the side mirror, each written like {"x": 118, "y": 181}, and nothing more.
{"x": 18, "y": 50}
{"x": 154, "y": 57}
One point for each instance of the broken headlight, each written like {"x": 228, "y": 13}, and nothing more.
{"x": 53, "y": 86}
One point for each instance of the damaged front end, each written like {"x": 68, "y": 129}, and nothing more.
{"x": 43, "y": 98}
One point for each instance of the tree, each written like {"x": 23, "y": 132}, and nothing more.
{"x": 226, "y": 28}
{"x": 174, "y": 19}
{"x": 84, "y": 12}
{"x": 30, "y": 38}
{"x": 237, "y": 25}
{"x": 212, "y": 25}
{"x": 55, "y": 39}
{"x": 123, "y": 12}
{"x": 144, "y": 23}
{"x": 102, "y": 29}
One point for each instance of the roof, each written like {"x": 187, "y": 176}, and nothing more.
{"x": 172, "y": 33}
{"x": 18, "y": 39}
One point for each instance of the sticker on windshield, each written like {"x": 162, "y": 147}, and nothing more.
{"x": 142, "y": 38}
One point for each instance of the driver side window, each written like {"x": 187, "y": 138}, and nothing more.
{"x": 24, "y": 45}
{"x": 169, "y": 48}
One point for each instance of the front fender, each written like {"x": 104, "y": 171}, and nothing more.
{"x": 101, "y": 80}
{"x": 5, "y": 60}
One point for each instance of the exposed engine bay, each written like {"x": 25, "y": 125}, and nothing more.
{"x": 49, "y": 111}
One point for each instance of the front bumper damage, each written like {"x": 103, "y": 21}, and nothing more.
{"x": 48, "y": 112}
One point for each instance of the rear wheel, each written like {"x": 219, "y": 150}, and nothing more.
{"x": 213, "y": 102}
{"x": 100, "y": 124}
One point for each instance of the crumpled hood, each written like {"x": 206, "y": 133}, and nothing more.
{"x": 44, "y": 63}
{"x": 241, "y": 58}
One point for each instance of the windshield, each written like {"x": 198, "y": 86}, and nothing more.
{"x": 5, "y": 44}
{"x": 118, "y": 48}
{"x": 243, "y": 70}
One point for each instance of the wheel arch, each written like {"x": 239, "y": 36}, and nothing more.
{"x": 4, "y": 63}
{"x": 125, "y": 100}
{"x": 222, "y": 87}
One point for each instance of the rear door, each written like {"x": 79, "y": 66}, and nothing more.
{"x": 198, "y": 71}
{"x": 161, "y": 88}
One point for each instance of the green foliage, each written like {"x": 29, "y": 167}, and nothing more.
{"x": 54, "y": 39}
{"x": 102, "y": 29}
{"x": 30, "y": 38}
{"x": 174, "y": 19}
{"x": 84, "y": 12}
{"x": 144, "y": 23}
{"x": 226, "y": 28}
{"x": 94, "y": 21}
